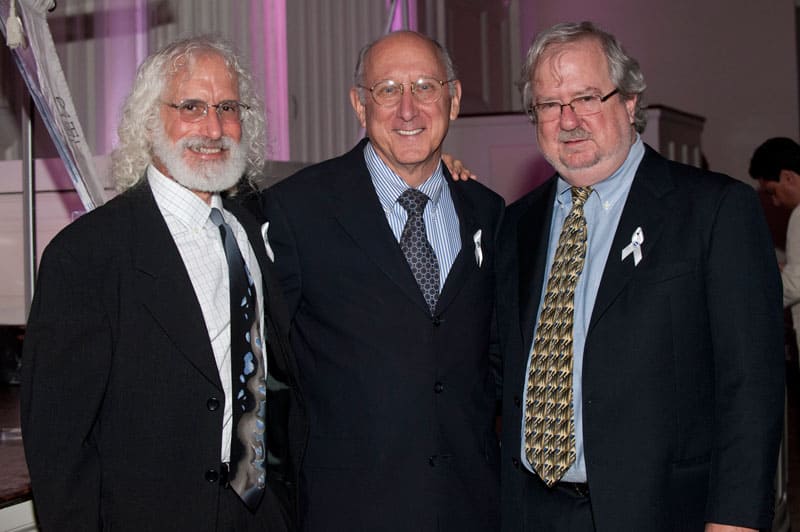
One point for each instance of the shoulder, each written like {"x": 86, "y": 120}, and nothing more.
{"x": 476, "y": 192}
{"x": 105, "y": 223}
{"x": 537, "y": 199}
{"x": 320, "y": 178}
{"x": 689, "y": 179}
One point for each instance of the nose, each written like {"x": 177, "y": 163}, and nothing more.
{"x": 568, "y": 119}
{"x": 211, "y": 124}
{"x": 407, "y": 108}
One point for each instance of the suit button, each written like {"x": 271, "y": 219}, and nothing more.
{"x": 438, "y": 387}
{"x": 212, "y": 404}
{"x": 436, "y": 321}
{"x": 516, "y": 400}
{"x": 212, "y": 475}
{"x": 515, "y": 462}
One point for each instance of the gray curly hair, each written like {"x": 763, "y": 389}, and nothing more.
{"x": 140, "y": 113}
{"x": 623, "y": 69}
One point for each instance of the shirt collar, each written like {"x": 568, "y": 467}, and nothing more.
{"x": 175, "y": 200}
{"x": 614, "y": 187}
{"x": 389, "y": 185}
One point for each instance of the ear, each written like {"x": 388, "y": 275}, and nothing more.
{"x": 455, "y": 100}
{"x": 630, "y": 107}
{"x": 358, "y": 107}
{"x": 789, "y": 176}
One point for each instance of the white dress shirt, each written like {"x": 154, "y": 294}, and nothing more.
{"x": 201, "y": 248}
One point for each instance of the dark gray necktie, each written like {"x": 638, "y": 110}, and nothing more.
{"x": 417, "y": 249}
{"x": 248, "y": 388}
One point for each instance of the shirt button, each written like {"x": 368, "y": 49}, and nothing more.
{"x": 436, "y": 321}
{"x": 515, "y": 463}
{"x": 432, "y": 461}
{"x": 438, "y": 387}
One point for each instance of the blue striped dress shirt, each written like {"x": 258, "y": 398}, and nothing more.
{"x": 441, "y": 221}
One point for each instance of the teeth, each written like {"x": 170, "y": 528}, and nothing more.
{"x": 408, "y": 133}
{"x": 206, "y": 151}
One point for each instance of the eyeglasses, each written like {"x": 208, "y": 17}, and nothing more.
{"x": 581, "y": 106}
{"x": 388, "y": 92}
{"x": 229, "y": 111}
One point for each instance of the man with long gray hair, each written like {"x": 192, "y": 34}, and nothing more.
{"x": 157, "y": 382}
{"x": 640, "y": 316}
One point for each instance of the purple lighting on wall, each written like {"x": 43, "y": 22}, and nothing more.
{"x": 400, "y": 8}
{"x": 276, "y": 84}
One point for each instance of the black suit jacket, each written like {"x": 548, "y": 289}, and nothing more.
{"x": 401, "y": 405}
{"x": 683, "y": 363}
{"x": 121, "y": 398}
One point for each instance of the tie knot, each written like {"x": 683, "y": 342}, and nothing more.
{"x": 216, "y": 217}
{"x": 413, "y": 201}
{"x": 580, "y": 195}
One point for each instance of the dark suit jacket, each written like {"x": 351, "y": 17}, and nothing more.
{"x": 683, "y": 364}
{"x": 401, "y": 405}
{"x": 121, "y": 399}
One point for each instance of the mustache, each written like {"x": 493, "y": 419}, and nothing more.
{"x": 199, "y": 141}
{"x": 574, "y": 134}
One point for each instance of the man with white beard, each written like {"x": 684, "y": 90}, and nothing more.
{"x": 158, "y": 392}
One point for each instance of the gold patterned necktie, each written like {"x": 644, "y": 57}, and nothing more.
{"x": 549, "y": 417}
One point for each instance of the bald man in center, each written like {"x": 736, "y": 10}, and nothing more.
{"x": 387, "y": 268}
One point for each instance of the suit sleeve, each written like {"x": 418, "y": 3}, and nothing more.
{"x": 744, "y": 306}
{"x": 282, "y": 241}
{"x": 66, "y": 360}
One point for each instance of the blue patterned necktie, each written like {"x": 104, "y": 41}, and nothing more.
{"x": 248, "y": 390}
{"x": 418, "y": 251}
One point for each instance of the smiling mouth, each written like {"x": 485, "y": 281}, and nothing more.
{"x": 203, "y": 150}
{"x": 409, "y": 132}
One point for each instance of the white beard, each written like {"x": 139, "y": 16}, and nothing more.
{"x": 203, "y": 176}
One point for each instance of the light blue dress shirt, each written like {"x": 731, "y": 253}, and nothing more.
{"x": 441, "y": 220}
{"x": 602, "y": 211}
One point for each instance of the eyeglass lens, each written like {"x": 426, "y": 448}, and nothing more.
{"x": 425, "y": 90}
{"x": 195, "y": 110}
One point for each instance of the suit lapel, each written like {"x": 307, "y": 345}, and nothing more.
{"x": 465, "y": 262}
{"x": 643, "y": 209}
{"x": 166, "y": 290}
{"x": 533, "y": 238}
{"x": 358, "y": 210}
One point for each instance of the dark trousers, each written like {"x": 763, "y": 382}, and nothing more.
{"x": 557, "y": 509}
{"x": 234, "y": 516}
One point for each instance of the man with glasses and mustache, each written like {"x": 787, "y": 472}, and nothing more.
{"x": 640, "y": 319}
{"x": 158, "y": 391}
{"x": 387, "y": 269}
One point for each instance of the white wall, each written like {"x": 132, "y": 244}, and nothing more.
{"x": 731, "y": 61}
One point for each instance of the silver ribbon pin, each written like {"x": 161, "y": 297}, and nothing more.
{"x": 635, "y": 246}
{"x": 476, "y": 238}
{"x": 264, "y": 229}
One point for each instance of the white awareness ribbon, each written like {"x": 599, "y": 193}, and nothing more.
{"x": 476, "y": 238}
{"x": 264, "y": 230}
{"x": 635, "y": 246}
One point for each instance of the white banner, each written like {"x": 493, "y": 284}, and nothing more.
{"x": 40, "y": 67}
